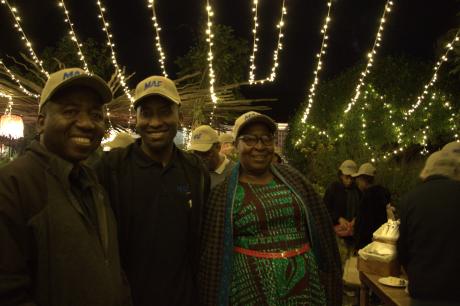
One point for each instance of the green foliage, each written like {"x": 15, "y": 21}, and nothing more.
{"x": 231, "y": 56}
{"x": 371, "y": 128}
{"x": 65, "y": 52}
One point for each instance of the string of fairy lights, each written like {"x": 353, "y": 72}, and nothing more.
{"x": 118, "y": 71}
{"x": 157, "y": 29}
{"x": 14, "y": 12}
{"x": 73, "y": 35}
{"x": 319, "y": 63}
{"x": 9, "y": 105}
{"x": 252, "y": 58}
{"x": 16, "y": 80}
{"x": 449, "y": 47}
{"x": 212, "y": 76}
{"x": 370, "y": 55}
{"x": 279, "y": 46}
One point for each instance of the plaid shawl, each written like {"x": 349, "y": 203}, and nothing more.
{"x": 217, "y": 238}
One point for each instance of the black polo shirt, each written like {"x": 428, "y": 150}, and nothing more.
{"x": 156, "y": 201}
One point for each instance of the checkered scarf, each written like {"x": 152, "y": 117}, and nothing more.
{"x": 217, "y": 238}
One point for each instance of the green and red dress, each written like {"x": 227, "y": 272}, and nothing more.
{"x": 269, "y": 219}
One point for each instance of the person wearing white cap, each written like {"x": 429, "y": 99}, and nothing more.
{"x": 428, "y": 247}
{"x": 157, "y": 191}
{"x": 58, "y": 236}
{"x": 342, "y": 200}
{"x": 264, "y": 222}
{"x": 373, "y": 207}
{"x": 205, "y": 143}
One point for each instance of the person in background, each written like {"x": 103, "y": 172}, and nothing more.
{"x": 158, "y": 192}
{"x": 58, "y": 235}
{"x": 204, "y": 142}
{"x": 227, "y": 147}
{"x": 342, "y": 200}
{"x": 267, "y": 239}
{"x": 373, "y": 208}
{"x": 453, "y": 150}
{"x": 427, "y": 245}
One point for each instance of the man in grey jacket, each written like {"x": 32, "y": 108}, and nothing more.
{"x": 58, "y": 236}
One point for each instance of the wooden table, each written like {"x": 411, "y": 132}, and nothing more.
{"x": 389, "y": 295}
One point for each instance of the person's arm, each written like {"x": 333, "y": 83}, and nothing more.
{"x": 15, "y": 276}
{"x": 330, "y": 266}
{"x": 332, "y": 205}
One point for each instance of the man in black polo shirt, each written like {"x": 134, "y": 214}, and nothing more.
{"x": 157, "y": 192}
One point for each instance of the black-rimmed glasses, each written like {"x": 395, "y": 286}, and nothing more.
{"x": 252, "y": 140}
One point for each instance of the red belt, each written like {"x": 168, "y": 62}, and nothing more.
{"x": 286, "y": 254}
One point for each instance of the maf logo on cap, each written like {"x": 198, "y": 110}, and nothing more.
{"x": 70, "y": 74}
{"x": 156, "y": 86}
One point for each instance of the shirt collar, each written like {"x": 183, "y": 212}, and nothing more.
{"x": 143, "y": 160}
{"x": 222, "y": 166}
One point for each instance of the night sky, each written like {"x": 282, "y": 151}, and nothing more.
{"x": 412, "y": 29}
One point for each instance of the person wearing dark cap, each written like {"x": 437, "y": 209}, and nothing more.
{"x": 58, "y": 235}
{"x": 267, "y": 238}
{"x": 157, "y": 192}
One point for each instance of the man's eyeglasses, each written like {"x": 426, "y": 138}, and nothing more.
{"x": 252, "y": 140}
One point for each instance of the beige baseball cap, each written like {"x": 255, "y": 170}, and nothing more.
{"x": 440, "y": 163}
{"x": 225, "y": 138}
{"x": 365, "y": 169}
{"x": 348, "y": 167}
{"x": 452, "y": 148}
{"x": 252, "y": 117}
{"x": 203, "y": 137}
{"x": 156, "y": 86}
{"x": 74, "y": 77}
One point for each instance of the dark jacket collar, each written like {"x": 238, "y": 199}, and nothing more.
{"x": 58, "y": 166}
{"x": 144, "y": 161}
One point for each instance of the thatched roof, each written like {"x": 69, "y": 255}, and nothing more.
{"x": 191, "y": 89}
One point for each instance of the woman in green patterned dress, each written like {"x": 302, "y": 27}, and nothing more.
{"x": 267, "y": 239}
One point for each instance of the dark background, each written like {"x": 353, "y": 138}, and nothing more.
{"x": 412, "y": 29}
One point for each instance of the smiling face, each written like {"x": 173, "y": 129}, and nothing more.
{"x": 255, "y": 159}
{"x": 71, "y": 124}
{"x": 157, "y": 123}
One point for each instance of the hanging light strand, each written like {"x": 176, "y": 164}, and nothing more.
{"x": 16, "y": 80}
{"x": 449, "y": 47}
{"x": 322, "y": 51}
{"x": 370, "y": 56}
{"x": 279, "y": 47}
{"x": 252, "y": 58}
{"x": 212, "y": 76}
{"x": 9, "y": 105}
{"x": 118, "y": 71}
{"x": 157, "y": 28}
{"x": 17, "y": 25}
{"x": 73, "y": 35}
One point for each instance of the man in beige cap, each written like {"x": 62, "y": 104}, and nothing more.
{"x": 157, "y": 192}
{"x": 428, "y": 247}
{"x": 57, "y": 232}
{"x": 372, "y": 211}
{"x": 227, "y": 146}
{"x": 205, "y": 143}
{"x": 342, "y": 200}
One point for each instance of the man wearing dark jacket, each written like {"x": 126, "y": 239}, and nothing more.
{"x": 372, "y": 210}
{"x": 157, "y": 192}
{"x": 58, "y": 239}
{"x": 428, "y": 245}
